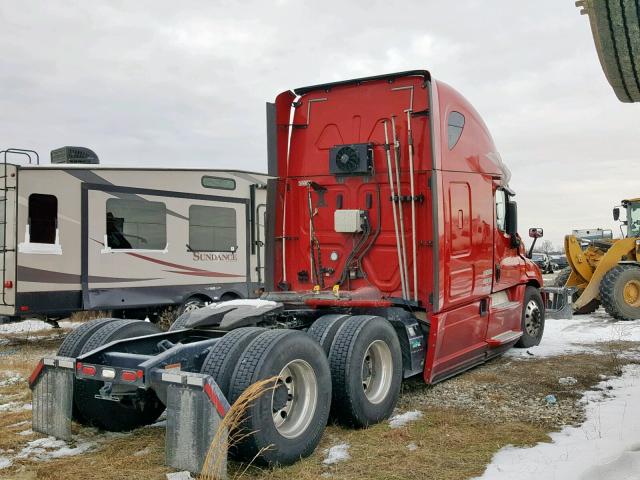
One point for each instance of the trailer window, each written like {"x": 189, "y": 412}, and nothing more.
{"x": 219, "y": 183}
{"x": 136, "y": 224}
{"x": 455, "y": 124}
{"x": 212, "y": 229}
{"x": 43, "y": 218}
{"x": 501, "y": 210}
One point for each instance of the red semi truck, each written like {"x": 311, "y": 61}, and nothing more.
{"x": 392, "y": 252}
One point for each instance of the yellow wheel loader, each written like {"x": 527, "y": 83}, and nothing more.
{"x": 607, "y": 271}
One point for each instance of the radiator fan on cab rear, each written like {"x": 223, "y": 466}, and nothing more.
{"x": 353, "y": 159}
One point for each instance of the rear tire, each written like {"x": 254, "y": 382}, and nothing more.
{"x": 224, "y": 355}
{"x": 620, "y": 292}
{"x": 286, "y": 422}
{"x": 73, "y": 343}
{"x": 366, "y": 370}
{"x": 109, "y": 415}
{"x": 324, "y": 330}
{"x": 532, "y": 319}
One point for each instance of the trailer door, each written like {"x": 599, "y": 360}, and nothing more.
{"x": 8, "y": 221}
{"x": 148, "y": 247}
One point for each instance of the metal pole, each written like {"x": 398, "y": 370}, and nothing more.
{"x": 393, "y": 206}
{"x": 413, "y": 208}
{"x": 396, "y": 154}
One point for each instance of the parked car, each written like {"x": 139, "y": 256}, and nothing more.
{"x": 558, "y": 262}
{"x": 543, "y": 261}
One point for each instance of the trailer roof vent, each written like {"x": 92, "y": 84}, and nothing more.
{"x": 74, "y": 155}
{"x": 353, "y": 159}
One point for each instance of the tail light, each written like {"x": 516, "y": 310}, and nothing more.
{"x": 130, "y": 375}
{"x": 24, "y": 308}
{"x": 88, "y": 370}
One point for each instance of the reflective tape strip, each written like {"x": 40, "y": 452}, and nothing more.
{"x": 65, "y": 363}
{"x": 215, "y": 400}
{"x": 171, "y": 377}
{"x": 49, "y": 361}
{"x": 195, "y": 381}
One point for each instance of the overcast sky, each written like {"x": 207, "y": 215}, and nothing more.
{"x": 184, "y": 83}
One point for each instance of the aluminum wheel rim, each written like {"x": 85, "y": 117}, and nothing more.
{"x": 299, "y": 379}
{"x": 631, "y": 293}
{"x": 377, "y": 371}
{"x": 532, "y": 316}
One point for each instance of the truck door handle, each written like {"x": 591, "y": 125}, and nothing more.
{"x": 497, "y": 272}
{"x": 484, "y": 307}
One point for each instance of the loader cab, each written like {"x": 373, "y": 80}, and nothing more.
{"x": 632, "y": 221}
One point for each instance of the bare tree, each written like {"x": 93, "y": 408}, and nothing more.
{"x": 545, "y": 247}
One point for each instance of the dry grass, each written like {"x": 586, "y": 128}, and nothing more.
{"x": 452, "y": 442}
{"x": 87, "y": 315}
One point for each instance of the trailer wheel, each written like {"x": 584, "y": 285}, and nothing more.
{"x": 73, "y": 343}
{"x": 135, "y": 411}
{"x": 532, "y": 319}
{"x": 366, "y": 370}
{"x": 561, "y": 281}
{"x": 324, "y": 330}
{"x": 287, "y": 421}
{"x": 620, "y": 292}
{"x": 224, "y": 355}
{"x": 191, "y": 304}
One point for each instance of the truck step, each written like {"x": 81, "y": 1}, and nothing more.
{"x": 504, "y": 338}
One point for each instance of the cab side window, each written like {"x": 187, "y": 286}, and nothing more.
{"x": 501, "y": 209}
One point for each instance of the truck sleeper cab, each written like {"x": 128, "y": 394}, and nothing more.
{"x": 392, "y": 251}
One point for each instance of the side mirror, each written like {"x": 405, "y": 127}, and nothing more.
{"x": 511, "y": 219}
{"x": 616, "y": 214}
{"x": 536, "y": 232}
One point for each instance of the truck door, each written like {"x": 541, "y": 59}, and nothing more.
{"x": 507, "y": 263}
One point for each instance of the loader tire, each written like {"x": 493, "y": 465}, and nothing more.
{"x": 561, "y": 281}
{"x": 366, "y": 371}
{"x": 222, "y": 358}
{"x": 286, "y": 422}
{"x": 73, "y": 343}
{"x": 532, "y": 319}
{"x": 130, "y": 413}
{"x": 620, "y": 292}
{"x": 324, "y": 330}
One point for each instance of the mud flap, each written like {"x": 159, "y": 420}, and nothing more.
{"x": 52, "y": 390}
{"x": 195, "y": 408}
{"x": 558, "y": 302}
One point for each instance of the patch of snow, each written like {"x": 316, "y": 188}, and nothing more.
{"x": 179, "y": 476}
{"x": 337, "y": 453}
{"x": 567, "y": 381}
{"x": 28, "y": 326}
{"x": 158, "y": 424}
{"x": 143, "y": 452}
{"x": 412, "y": 447}
{"x": 402, "y": 419}
{"x": 13, "y": 380}
{"x": 24, "y": 422}
{"x": 605, "y": 446}
{"x": 5, "y": 462}
{"x": 14, "y": 407}
{"x": 26, "y": 433}
{"x": 49, "y": 447}
{"x": 580, "y": 334}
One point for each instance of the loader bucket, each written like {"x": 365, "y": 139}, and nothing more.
{"x": 195, "y": 409}
{"x": 558, "y": 303}
{"x": 52, "y": 390}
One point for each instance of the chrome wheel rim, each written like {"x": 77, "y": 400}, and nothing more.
{"x": 294, "y": 398}
{"x": 377, "y": 371}
{"x": 532, "y": 318}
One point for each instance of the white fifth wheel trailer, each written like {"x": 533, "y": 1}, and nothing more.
{"x": 91, "y": 237}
